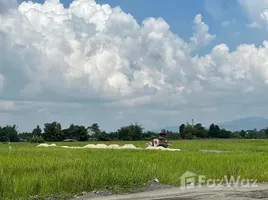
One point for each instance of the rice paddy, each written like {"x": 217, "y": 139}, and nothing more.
{"x": 28, "y": 171}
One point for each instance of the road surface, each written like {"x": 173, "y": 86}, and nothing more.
{"x": 239, "y": 193}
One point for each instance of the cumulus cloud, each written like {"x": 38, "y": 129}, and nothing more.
{"x": 6, "y": 5}
{"x": 201, "y": 36}
{"x": 257, "y": 12}
{"x": 92, "y": 50}
{"x": 91, "y": 53}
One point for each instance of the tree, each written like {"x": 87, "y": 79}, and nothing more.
{"x": 114, "y": 136}
{"x": 243, "y": 133}
{"x": 182, "y": 127}
{"x": 9, "y": 133}
{"x": 148, "y": 135}
{"x": 266, "y": 131}
{"x": 256, "y": 134}
{"x": 214, "y": 131}
{"x": 130, "y": 133}
{"x": 200, "y": 131}
{"x": 225, "y": 134}
{"x": 53, "y": 132}
{"x": 76, "y": 132}
{"x": 188, "y": 132}
{"x": 37, "y": 132}
{"x": 172, "y": 135}
{"x": 94, "y": 129}
{"x": 25, "y": 136}
{"x": 103, "y": 136}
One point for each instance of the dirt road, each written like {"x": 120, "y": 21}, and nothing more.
{"x": 239, "y": 193}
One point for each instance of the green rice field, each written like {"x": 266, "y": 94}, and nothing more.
{"x": 28, "y": 171}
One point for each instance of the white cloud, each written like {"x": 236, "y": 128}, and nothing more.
{"x": 201, "y": 35}
{"x": 257, "y": 12}
{"x": 227, "y": 23}
{"x": 101, "y": 58}
{"x": 5, "y": 5}
{"x": 254, "y": 25}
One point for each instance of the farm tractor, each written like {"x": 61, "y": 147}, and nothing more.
{"x": 160, "y": 140}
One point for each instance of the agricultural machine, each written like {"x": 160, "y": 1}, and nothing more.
{"x": 160, "y": 140}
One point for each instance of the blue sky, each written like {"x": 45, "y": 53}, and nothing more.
{"x": 214, "y": 88}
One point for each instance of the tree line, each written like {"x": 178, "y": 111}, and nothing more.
{"x": 53, "y": 132}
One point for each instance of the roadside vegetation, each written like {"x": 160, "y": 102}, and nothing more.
{"x": 56, "y": 172}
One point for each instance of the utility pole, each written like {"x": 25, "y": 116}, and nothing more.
{"x": 192, "y": 122}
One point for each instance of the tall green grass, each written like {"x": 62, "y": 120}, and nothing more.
{"x": 56, "y": 172}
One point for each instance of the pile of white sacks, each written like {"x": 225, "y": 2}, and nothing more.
{"x": 111, "y": 146}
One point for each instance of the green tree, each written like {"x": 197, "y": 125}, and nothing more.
{"x": 131, "y": 132}
{"x": 243, "y": 134}
{"x": 266, "y": 131}
{"x": 199, "y": 131}
{"x": 114, "y": 136}
{"x": 9, "y": 133}
{"x": 53, "y": 132}
{"x": 37, "y": 132}
{"x": 188, "y": 132}
{"x": 94, "y": 130}
{"x": 172, "y": 135}
{"x": 76, "y": 132}
{"x": 214, "y": 131}
{"x": 148, "y": 135}
{"x": 225, "y": 134}
{"x": 254, "y": 134}
{"x": 25, "y": 136}
{"x": 103, "y": 136}
{"x": 182, "y": 127}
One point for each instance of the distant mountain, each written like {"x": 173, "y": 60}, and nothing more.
{"x": 248, "y": 123}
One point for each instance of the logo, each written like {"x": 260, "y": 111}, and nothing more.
{"x": 190, "y": 180}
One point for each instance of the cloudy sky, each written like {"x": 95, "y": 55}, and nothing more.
{"x": 117, "y": 62}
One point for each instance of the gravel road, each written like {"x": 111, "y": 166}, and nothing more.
{"x": 239, "y": 193}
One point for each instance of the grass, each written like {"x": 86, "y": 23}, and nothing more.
{"x": 56, "y": 172}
